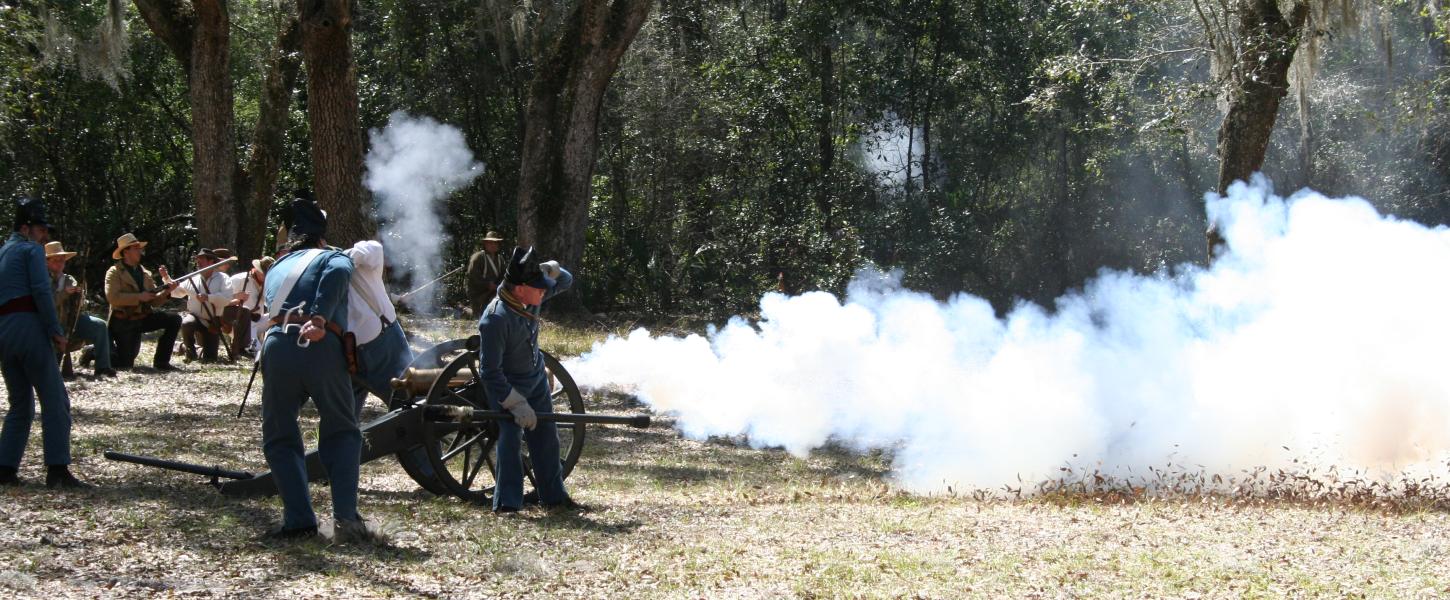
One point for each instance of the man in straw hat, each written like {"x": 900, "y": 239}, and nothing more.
{"x": 30, "y": 333}
{"x": 245, "y": 309}
{"x": 86, "y": 327}
{"x": 485, "y": 271}
{"x": 133, "y": 304}
{"x": 207, "y": 295}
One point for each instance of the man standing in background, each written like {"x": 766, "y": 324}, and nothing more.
{"x": 485, "y": 271}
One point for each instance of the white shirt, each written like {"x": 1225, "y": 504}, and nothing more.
{"x": 367, "y": 284}
{"x": 243, "y": 282}
{"x": 217, "y": 289}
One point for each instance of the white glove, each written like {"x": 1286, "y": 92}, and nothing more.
{"x": 551, "y": 269}
{"x": 523, "y": 413}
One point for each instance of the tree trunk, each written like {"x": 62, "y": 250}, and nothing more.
{"x": 1269, "y": 40}
{"x": 199, "y": 36}
{"x": 257, "y": 182}
{"x": 561, "y": 141}
{"x": 213, "y": 137}
{"x": 332, "y": 115}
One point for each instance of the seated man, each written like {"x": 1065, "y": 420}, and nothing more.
{"x": 512, "y": 372}
{"x": 67, "y": 299}
{"x": 206, "y": 296}
{"x": 244, "y": 312}
{"x": 133, "y": 304}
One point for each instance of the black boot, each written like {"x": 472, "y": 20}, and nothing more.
{"x": 59, "y": 476}
{"x": 9, "y": 476}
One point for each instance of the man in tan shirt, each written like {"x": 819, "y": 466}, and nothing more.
{"x": 128, "y": 290}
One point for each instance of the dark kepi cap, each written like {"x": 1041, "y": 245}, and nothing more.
{"x": 307, "y": 218}
{"x": 523, "y": 268}
{"x": 30, "y": 211}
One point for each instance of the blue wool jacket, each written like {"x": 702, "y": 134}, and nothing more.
{"x": 509, "y": 351}
{"x": 323, "y": 285}
{"x": 22, "y": 273}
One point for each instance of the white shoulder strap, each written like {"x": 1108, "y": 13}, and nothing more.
{"x": 357, "y": 291}
{"x": 305, "y": 262}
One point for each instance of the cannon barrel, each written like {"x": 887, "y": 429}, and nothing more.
{"x": 172, "y": 465}
{"x": 417, "y": 381}
{"x": 461, "y": 413}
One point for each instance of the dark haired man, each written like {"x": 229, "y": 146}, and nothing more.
{"x": 303, "y": 358}
{"x": 512, "y": 371}
{"x": 30, "y": 333}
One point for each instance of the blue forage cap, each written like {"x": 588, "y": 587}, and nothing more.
{"x": 307, "y": 217}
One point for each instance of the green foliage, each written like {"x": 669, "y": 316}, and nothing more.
{"x": 1007, "y": 148}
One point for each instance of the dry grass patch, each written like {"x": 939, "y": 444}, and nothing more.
{"x": 672, "y": 518}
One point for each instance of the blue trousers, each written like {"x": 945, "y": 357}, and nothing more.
{"x": 28, "y": 360}
{"x": 293, "y": 375}
{"x": 379, "y": 362}
{"x": 543, "y": 443}
{"x": 94, "y": 330}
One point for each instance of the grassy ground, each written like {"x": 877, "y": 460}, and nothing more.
{"x": 672, "y": 518}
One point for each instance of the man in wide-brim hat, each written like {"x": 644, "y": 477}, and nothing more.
{"x": 84, "y": 327}
{"x": 133, "y": 307}
{"x": 485, "y": 271}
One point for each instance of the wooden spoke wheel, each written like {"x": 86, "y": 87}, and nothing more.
{"x": 462, "y": 455}
{"x": 415, "y": 461}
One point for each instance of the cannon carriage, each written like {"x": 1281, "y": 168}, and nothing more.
{"x": 438, "y": 427}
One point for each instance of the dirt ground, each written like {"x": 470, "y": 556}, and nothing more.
{"x": 670, "y": 518}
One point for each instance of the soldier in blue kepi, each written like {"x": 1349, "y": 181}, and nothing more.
{"x": 304, "y": 356}
{"x": 512, "y": 370}
{"x": 30, "y": 334}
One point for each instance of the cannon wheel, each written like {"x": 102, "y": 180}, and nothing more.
{"x": 415, "y": 461}
{"x": 463, "y": 458}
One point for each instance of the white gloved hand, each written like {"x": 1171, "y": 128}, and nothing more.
{"x": 551, "y": 269}
{"x": 523, "y": 413}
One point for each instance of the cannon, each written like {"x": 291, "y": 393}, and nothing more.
{"x": 438, "y": 427}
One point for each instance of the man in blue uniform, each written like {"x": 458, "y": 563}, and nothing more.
{"x": 513, "y": 379}
{"x": 302, "y": 358}
{"x": 30, "y": 333}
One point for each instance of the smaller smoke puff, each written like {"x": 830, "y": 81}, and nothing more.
{"x": 1316, "y": 344}
{"x": 413, "y": 164}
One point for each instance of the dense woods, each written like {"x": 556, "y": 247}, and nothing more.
{"x": 691, "y": 154}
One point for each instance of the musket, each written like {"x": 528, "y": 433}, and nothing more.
{"x": 176, "y": 280}
{"x": 425, "y": 286}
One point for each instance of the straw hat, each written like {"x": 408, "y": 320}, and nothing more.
{"x": 54, "y": 249}
{"x": 263, "y": 264}
{"x": 124, "y": 242}
{"x": 492, "y": 236}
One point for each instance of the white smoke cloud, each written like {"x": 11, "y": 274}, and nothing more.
{"x": 413, "y": 164}
{"x": 1321, "y": 338}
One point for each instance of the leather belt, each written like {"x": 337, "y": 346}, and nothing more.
{"x": 21, "y": 304}
{"x": 302, "y": 319}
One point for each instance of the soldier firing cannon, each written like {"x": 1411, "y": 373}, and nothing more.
{"x": 438, "y": 427}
